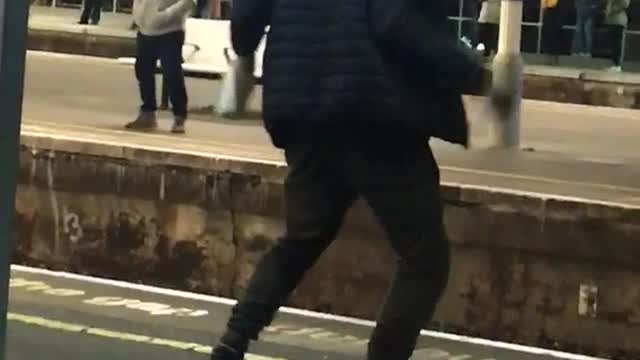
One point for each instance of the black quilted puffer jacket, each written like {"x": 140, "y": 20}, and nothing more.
{"x": 385, "y": 66}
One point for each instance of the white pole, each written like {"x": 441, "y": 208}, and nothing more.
{"x": 507, "y": 75}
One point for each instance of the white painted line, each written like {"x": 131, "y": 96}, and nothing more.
{"x": 300, "y": 312}
{"x": 546, "y": 196}
{"x": 119, "y": 335}
{"x": 202, "y": 154}
{"x": 539, "y": 178}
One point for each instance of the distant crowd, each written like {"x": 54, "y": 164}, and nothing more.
{"x": 590, "y": 14}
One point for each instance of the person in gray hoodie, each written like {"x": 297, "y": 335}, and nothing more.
{"x": 161, "y": 31}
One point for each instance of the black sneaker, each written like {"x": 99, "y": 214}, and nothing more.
{"x": 144, "y": 121}
{"x": 223, "y": 352}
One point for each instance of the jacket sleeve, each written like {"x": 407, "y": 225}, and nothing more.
{"x": 402, "y": 28}
{"x": 618, "y": 6}
{"x": 249, "y": 19}
{"x": 178, "y": 10}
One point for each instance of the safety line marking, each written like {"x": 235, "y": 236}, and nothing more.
{"x": 299, "y": 312}
{"x": 120, "y": 335}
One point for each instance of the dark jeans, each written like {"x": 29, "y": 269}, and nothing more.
{"x": 616, "y": 33}
{"x": 401, "y": 185}
{"x": 488, "y": 35}
{"x": 168, "y": 49}
{"x": 552, "y": 33}
{"x": 91, "y": 9}
{"x": 474, "y": 11}
{"x": 202, "y": 9}
{"x": 583, "y": 38}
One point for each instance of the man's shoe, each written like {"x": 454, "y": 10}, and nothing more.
{"x": 178, "y": 125}
{"x": 144, "y": 121}
{"x": 223, "y": 352}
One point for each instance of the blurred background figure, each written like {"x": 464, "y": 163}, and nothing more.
{"x": 203, "y": 9}
{"x": 587, "y": 13}
{"x": 553, "y": 17}
{"x": 616, "y": 21}
{"x": 489, "y": 26}
{"x": 91, "y": 10}
{"x": 161, "y": 35}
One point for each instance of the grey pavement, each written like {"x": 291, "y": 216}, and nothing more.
{"x": 118, "y": 25}
{"x": 568, "y": 150}
{"x": 65, "y": 316}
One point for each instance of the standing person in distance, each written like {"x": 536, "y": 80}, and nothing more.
{"x": 489, "y": 26}
{"x": 616, "y": 21}
{"x": 91, "y": 10}
{"x": 588, "y": 13}
{"x": 552, "y": 22}
{"x": 203, "y": 9}
{"x": 353, "y": 90}
{"x": 161, "y": 32}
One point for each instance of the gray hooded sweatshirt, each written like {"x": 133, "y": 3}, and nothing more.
{"x": 159, "y": 17}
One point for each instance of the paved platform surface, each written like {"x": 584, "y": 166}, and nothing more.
{"x": 66, "y": 20}
{"x": 576, "y": 151}
{"x": 67, "y": 316}
{"x": 118, "y": 25}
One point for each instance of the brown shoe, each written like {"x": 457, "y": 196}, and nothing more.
{"x": 145, "y": 121}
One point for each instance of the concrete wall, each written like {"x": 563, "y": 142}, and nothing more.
{"x": 201, "y": 224}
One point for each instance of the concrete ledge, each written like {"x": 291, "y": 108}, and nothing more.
{"x": 81, "y": 43}
{"x": 201, "y": 221}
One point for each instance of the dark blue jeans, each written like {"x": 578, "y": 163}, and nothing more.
{"x": 583, "y": 39}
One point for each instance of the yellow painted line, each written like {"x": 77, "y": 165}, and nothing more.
{"x": 119, "y": 335}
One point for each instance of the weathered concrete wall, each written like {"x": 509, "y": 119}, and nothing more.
{"x": 583, "y": 90}
{"x": 201, "y": 224}
{"x": 80, "y": 44}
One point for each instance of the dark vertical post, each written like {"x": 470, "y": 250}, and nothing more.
{"x": 13, "y": 30}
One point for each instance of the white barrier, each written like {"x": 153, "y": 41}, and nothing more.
{"x": 207, "y": 48}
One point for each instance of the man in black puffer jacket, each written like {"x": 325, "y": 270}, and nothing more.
{"x": 353, "y": 90}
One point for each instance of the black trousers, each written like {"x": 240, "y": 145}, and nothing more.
{"x": 616, "y": 33}
{"x": 401, "y": 184}
{"x": 201, "y": 9}
{"x": 552, "y": 34}
{"x": 91, "y": 9}
{"x": 168, "y": 49}
{"x": 488, "y": 35}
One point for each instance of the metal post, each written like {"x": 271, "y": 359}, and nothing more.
{"x": 624, "y": 47}
{"x": 13, "y": 32}
{"x": 459, "y": 20}
{"x": 507, "y": 74}
{"x": 540, "y": 26}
